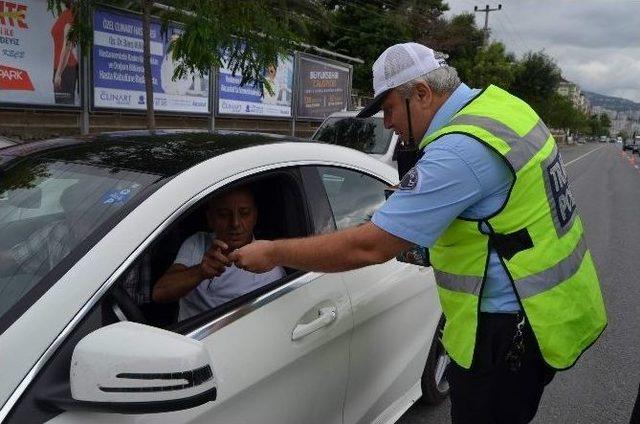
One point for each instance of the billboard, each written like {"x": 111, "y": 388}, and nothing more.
{"x": 323, "y": 87}
{"x": 38, "y": 67}
{"x": 250, "y": 100}
{"x": 118, "y": 73}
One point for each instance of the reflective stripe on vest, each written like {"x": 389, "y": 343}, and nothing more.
{"x": 458, "y": 283}
{"x": 527, "y": 287}
{"x": 523, "y": 149}
{"x": 546, "y": 280}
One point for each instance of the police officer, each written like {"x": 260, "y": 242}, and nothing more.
{"x": 490, "y": 198}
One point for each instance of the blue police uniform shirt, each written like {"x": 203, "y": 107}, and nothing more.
{"x": 457, "y": 176}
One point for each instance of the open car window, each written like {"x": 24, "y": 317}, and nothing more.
{"x": 282, "y": 212}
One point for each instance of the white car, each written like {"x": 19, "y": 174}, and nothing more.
{"x": 80, "y": 341}
{"x": 365, "y": 134}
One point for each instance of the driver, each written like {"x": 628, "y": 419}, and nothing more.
{"x": 202, "y": 277}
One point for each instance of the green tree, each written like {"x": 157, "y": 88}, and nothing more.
{"x": 594, "y": 125}
{"x": 363, "y": 30}
{"x": 558, "y": 112}
{"x": 599, "y": 124}
{"x": 458, "y": 37}
{"x": 492, "y": 65}
{"x": 605, "y": 123}
{"x": 422, "y": 18}
{"x": 536, "y": 79}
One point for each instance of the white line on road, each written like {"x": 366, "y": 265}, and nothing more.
{"x": 580, "y": 157}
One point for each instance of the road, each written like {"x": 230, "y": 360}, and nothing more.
{"x": 602, "y": 386}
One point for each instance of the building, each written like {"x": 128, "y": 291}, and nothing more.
{"x": 572, "y": 91}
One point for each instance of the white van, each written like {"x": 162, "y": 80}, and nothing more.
{"x": 365, "y": 134}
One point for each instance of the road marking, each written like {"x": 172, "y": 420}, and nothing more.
{"x": 580, "y": 157}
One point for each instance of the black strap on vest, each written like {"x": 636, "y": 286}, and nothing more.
{"x": 507, "y": 245}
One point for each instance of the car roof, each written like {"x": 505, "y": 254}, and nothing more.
{"x": 163, "y": 152}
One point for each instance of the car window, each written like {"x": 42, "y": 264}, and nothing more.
{"x": 365, "y": 134}
{"x": 281, "y": 213}
{"x": 47, "y": 208}
{"x": 353, "y": 196}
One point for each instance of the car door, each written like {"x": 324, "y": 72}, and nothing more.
{"x": 395, "y": 310}
{"x": 281, "y": 357}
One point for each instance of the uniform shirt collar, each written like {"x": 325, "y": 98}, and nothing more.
{"x": 458, "y": 99}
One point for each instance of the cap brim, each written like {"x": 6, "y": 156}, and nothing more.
{"x": 373, "y": 107}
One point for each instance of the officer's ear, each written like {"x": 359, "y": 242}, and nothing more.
{"x": 424, "y": 94}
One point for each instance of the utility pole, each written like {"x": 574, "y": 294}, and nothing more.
{"x": 486, "y": 11}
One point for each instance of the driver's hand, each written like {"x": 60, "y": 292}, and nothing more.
{"x": 214, "y": 262}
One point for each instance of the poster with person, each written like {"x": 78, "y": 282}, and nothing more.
{"x": 118, "y": 72}
{"x": 38, "y": 65}
{"x": 251, "y": 99}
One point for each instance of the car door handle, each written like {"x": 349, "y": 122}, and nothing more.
{"x": 325, "y": 317}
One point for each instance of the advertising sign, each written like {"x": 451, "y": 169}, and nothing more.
{"x": 38, "y": 66}
{"x": 118, "y": 73}
{"x": 323, "y": 87}
{"x": 250, "y": 100}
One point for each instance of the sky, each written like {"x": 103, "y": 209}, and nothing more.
{"x": 596, "y": 43}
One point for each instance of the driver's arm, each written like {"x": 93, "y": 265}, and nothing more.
{"x": 179, "y": 279}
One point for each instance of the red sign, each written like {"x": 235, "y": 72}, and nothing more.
{"x": 14, "y": 79}
{"x": 13, "y": 14}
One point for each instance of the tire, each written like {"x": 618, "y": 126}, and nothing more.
{"x": 435, "y": 387}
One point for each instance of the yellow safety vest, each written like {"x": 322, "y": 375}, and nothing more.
{"x": 537, "y": 234}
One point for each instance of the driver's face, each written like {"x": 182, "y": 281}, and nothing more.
{"x": 232, "y": 218}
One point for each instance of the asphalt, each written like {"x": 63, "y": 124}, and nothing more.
{"x": 602, "y": 386}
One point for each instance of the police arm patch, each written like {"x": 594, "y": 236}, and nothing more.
{"x": 410, "y": 180}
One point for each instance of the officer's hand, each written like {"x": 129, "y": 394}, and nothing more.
{"x": 254, "y": 257}
{"x": 214, "y": 262}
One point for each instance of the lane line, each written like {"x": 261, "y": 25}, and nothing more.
{"x": 580, "y": 157}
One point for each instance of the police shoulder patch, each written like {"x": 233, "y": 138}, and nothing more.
{"x": 410, "y": 180}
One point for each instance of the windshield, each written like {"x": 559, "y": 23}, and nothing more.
{"x": 365, "y": 134}
{"x": 47, "y": 208}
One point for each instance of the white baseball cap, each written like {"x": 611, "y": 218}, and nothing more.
{"x": 397, "y": 65}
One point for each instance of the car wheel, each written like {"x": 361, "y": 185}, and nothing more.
{"x": 435, "y": 386}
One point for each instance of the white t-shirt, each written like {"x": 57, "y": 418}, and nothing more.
{"x": 233, "y": 282}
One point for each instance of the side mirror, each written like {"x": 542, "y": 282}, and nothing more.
{"x": 134, "y": 368}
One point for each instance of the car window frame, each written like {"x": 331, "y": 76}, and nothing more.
{"x": 205, "y": 323}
